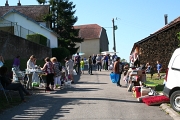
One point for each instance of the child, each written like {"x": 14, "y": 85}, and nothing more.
{"x": 82, "y": 65}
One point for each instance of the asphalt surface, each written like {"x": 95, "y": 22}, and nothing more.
{"x": 92, "y": 97}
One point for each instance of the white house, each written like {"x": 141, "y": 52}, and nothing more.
{"x": 95, "y": 39}
{"x": 25, "y": 25}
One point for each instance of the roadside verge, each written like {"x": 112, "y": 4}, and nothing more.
{"x": 170, "y": 111}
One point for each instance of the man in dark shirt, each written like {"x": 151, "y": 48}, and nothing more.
{"x": 106, "y": 58}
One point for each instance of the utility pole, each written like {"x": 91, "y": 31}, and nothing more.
{"x": 114, "y": 48}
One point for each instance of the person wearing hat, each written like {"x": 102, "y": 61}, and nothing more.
{"x": 118, "y": 69}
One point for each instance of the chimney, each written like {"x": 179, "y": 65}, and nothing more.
{"x": 166, "y": 19}
{"x": 6, "y": 4}
{"x": 19, "y": 4}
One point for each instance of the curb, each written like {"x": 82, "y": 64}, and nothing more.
{"x": 170, "y": 111}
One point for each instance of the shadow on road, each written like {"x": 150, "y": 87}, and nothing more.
{"x": 54, "y": 106}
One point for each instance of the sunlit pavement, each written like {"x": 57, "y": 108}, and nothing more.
{"x": 92, "y": 97}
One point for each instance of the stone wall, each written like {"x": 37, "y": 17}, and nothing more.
{"x": 160, "y": 47}
{"x": 11, "y": 46}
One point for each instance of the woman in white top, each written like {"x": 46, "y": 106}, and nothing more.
{"x": 30, "y": 66}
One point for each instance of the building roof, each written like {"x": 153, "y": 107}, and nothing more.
{"x": 35, "y": 12}
{"x": 89, "y": 31}
{"x": 166, "y": 27}
{"x": 15, "y": 11}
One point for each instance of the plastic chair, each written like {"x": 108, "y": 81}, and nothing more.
{"x": 5, "y": 91}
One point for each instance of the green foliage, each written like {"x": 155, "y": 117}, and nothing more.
{"x": 123, "y": 60}
{"x": 178, "y": 36}
{"x": 38, "y": 38}
{"x": 155, "y": 80}
{"x": 41, "y": 1}
{"x": 62, "y": 20}
{"x": 60, "y": 53}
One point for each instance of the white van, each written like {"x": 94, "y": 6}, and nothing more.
{"x": 172, "y": 86}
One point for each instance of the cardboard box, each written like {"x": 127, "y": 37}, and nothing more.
{"x": 143, "y": 78}
{"x": 145, "y": 91}
{"x": 136, "y": 73}
{"x": 139, "y": 72}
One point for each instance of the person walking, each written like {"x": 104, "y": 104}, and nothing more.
{"x": 94, "y": 60}
{"x": 82, "y": 65}
{"x": 48, "y": 68}
{"x": 98, "y": 62}
{"x": 118, "y": 69}
{"x": 57, "y": 72}
{"x": 102, "y": 62}
{"x": 106, "y": 59}
{"x": 159, "y": 68}
{"x": 69, "y": 66}
{"x": 90, "y": 62}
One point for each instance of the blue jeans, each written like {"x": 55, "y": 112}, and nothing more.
{"x": 99, "y": 66}
{"x": 118, "y": 83}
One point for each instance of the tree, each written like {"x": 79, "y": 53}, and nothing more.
{"x": 178, "y": 36}
{"x": 123, "y": 60}
{"x": 41, "y": 1}
{"x": 62, "y": 20}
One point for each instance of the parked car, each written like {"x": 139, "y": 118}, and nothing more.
{"x": 172, "y": 86}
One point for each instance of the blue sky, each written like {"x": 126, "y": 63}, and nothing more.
{"x": 136, "y": 19}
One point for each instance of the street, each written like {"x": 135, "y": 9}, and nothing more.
{"x": 92, "y": 97}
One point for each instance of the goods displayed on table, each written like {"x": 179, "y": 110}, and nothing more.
{"x": 37, "y": 80}
{"x": 142, "y": 90}
{"x": 17, "y": 75}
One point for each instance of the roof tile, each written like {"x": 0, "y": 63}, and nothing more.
{"x": 89, "y": 31}
{"x": 35, "y": 12}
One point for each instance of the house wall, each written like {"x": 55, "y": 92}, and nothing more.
{"x": 104, "y": 43}
{"x": 89, "y": 47}
{"x": 159, "y": 47}
{"x": 11, "y": 46}
{"x": 27, "y": 24}
{"x": 43, "y": 23}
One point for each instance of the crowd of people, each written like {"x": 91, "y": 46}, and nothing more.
{"x": 102, "y": 62}
{"x": 54, "y": 70}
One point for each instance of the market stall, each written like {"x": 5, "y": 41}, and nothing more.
{"x": 143, "y": 91}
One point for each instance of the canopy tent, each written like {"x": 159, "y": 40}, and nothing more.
{"x": 79, "y": 54}
{"x": 108, "y": 52}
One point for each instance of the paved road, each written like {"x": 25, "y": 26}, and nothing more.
{"x": 93, "y": 97}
